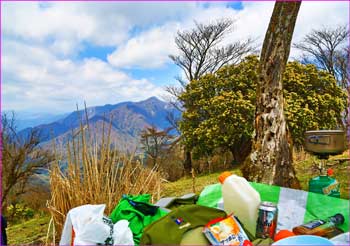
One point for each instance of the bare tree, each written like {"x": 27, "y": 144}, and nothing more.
{"x": 22, "y": 158}
{"x": 342, "y": 69}
{"x": 271, "y": 159}
{"x": 327, "y": 48}
{"x": 201, "y": 52}
{"x": 155, "y": 142}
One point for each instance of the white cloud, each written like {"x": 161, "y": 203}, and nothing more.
{"x": 108, "y": 23}
{"x": 151, "y": 48}
{"x": 316, "y": 15}
{"x": 148, "y": 50}
{"x": 60, "y": 23}
{"x": 41, "y": 43}
{"x": 52, "y": 84}
{"x": 103, "y": 23}
{"x": 253, "y": 20}
{"x": 250, "y": 22}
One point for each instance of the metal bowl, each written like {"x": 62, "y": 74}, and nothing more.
{"x": 325, "y": 142}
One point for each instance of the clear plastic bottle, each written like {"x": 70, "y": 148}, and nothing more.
{"x": 241, "y": 199}
{"x": 319, "y": 227}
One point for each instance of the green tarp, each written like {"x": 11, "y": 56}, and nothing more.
{"x": 138, "y": 220}
{"x": 295, "y": 206}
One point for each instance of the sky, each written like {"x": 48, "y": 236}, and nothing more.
{"x": 56, "y": 55}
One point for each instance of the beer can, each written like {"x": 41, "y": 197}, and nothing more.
{"x": 267, "y": 220}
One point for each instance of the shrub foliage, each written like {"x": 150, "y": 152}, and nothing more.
{"x": 220, "y": 107}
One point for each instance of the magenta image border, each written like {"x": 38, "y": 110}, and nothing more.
{"x": 159, "y": 1}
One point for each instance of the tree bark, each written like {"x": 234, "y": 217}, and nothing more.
{"x": 271, "y": 159}
{"x": 187, "y": 161}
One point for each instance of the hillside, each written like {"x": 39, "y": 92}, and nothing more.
{"x": 127, "y": 120}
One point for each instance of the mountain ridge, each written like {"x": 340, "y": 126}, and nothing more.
{"x": 127, "y": 120}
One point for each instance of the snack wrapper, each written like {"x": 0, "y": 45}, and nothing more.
{"x": 226, "y": 231}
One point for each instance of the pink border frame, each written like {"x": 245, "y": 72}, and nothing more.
{"x": 163, "y": 1}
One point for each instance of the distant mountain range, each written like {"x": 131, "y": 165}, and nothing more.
{"x": 29, "y": 119}
{"x": 127, "y": 120}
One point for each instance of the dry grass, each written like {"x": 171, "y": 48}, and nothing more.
{"x": 96, "y": 174}
{"x": 300, "y": 155}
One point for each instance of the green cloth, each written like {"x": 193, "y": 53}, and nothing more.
{"x": 262, "y": 242}
{"x": 195, "y": 237}
{"x": 317, "y": 206}
{"x": 137, "y": 220}
{"x": 171, "y": 228}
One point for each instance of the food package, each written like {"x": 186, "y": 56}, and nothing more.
{"x": 226, "y": 231}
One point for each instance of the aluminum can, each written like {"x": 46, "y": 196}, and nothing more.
{"x": 267, "y": 220}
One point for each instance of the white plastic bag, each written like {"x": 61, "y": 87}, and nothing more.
{"x": 91, "y": 228}
{"x": 122, "y": 234}
{"x": 88, "y": 226}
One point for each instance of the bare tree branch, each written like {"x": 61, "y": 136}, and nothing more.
{"x": 199, "y": 51}
{"x": 155, "y": 142}
{"x": 326, "y": 48}
{"x": 22, "y": 157}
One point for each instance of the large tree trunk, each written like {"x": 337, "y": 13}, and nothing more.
{"x": 271, "y": 158}
{"x": 187, "y": 161}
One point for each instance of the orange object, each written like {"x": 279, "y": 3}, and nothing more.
{"x": 73, "y": 236}
{"x": 283, "y": 234}
{"x": 247, "y": 243}
{"x": 330, "y": 172}
{"x": 223, "y": 176}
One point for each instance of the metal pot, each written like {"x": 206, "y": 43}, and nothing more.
{"x": 325, "y": 142}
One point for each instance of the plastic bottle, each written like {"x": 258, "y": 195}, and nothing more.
{"x": 241, "y": 199}
{"x": 319, "y": 227}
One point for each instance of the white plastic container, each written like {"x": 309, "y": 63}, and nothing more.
{"x": 241, "y": 199}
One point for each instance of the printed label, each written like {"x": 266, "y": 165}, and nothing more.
{"x": 313, "y": 224}
{"x": 266, "y": 224}
{"x": 225, "y": 232}
{"x": 330, "y": 188}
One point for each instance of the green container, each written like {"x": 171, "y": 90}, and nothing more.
{"x": 325, "y": 185}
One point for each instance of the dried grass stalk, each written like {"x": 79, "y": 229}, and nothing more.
{"x": 96, "y": 174}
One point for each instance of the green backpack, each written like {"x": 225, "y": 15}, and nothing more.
{"x": 171, "y": 228}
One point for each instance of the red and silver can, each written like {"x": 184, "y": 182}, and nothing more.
{"x": 267, "y": 220}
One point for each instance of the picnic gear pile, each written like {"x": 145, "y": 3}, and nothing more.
{"x": 232, "y": 212}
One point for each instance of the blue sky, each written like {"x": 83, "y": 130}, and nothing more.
{"x": 58, "y": 54}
